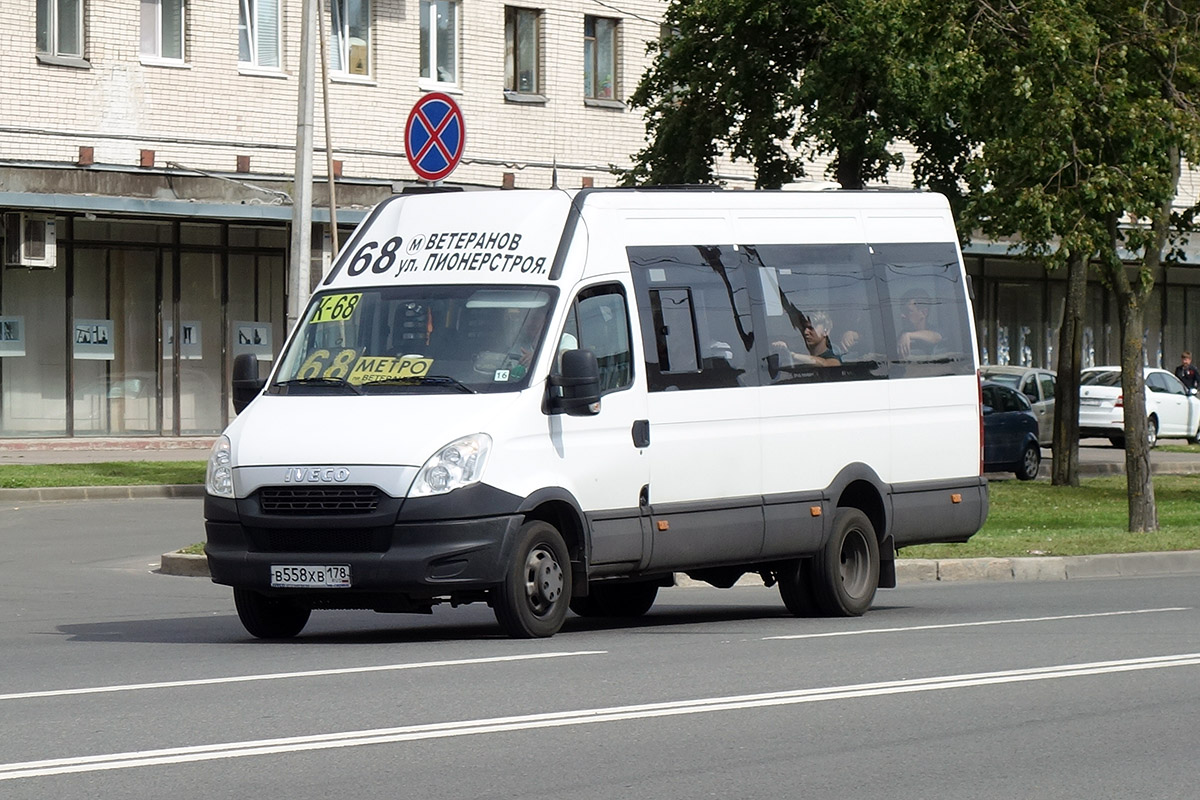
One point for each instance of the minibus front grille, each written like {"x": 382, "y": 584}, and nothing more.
{"x": 319, "y": 540}
{"x": 318, "y": 500}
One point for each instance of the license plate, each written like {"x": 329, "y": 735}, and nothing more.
{"x": 336, "y": 576}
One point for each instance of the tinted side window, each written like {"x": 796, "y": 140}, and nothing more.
{"x": 1047, "y": 382}
{"x": 695, "y": 317}
{"x": 818, "y": 306}
{"x": 599, "y": 321}
{"x": 925, "y": 308}
{"x": 1173, "y": 384}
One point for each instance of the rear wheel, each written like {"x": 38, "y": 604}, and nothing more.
{"x": 1031, "y": 461}
{"x": 846, "y": 571}
{"x": 269, "y": 617}
{"x": 795, "y": 587}
{"x": 616, "y": 600}
{"x": 532, "y": 601}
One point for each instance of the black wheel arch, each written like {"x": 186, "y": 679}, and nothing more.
{"x": 558, "y": 507}
{"x": 858, "y": 486}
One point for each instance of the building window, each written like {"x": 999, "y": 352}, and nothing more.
{"x": 439, "y": 40}
{"x": 162, "y": 30}
{"x": 599, "y": 58}
{"x": 60, "y": 28}
{"x": 258, "y": 33}
{"x": 350, "y": 43}
{"x": 522, "y": 29}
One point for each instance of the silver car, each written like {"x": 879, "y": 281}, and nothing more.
{"x": 1038, "y": 385}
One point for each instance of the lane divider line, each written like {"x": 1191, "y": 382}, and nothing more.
{"x": 982, "y": 623}
{"x": 275, "y": 676}
{"x": 442, "y": 730}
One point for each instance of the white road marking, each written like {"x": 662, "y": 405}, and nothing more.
{"x": 179, "y": 755}
{"x": 972, "y": 624}
{"x": 275, "y": 676}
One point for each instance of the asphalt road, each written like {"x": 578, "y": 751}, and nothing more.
{"x": 120, "y": 682}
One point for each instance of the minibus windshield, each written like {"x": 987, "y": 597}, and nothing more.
{"x": 416, "y": 339}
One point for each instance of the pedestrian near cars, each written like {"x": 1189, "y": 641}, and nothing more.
{"x": 1187, "y": 373}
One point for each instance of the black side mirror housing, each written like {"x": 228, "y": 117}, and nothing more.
{"x": 246, "y": 383}
{"x": 575, "y": 390}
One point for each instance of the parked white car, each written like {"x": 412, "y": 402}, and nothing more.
{"x": 1171, "y": 409}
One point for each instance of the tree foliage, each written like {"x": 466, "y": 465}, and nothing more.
{"x": 784, "y": 82}
{"x": 1059, "y": 125}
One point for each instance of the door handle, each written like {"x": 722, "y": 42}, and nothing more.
{"x": 641, "y": 433}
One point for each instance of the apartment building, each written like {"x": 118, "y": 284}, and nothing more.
{"x": 146, "y": 160}
{"x": 147, "y": 153}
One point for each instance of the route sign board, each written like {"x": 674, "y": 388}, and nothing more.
{"x": 434, "y": 136}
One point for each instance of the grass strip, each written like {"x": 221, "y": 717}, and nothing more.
{"x": 1034, "y": 518}
{"x": 101, "y": 473}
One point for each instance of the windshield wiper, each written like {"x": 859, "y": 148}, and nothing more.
{"x": 332, "y": 382}
{"x": 424, "y": 380}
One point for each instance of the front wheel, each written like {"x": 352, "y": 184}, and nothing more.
{"x": 532, "y": 601}
{"x": 1031, "y": 461}
{"x": 846, "y": 571}
{"x": 269, "y": 617}
{"x": 1151, "y": 431}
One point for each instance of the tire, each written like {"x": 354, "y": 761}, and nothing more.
{"x": 532, "y": 601}
{"x": 1117, "y": 442}
{"x": 1152, "y": 432}
{"x": 846, "y": 571}
{"x": 269, "y": 617}
{"x": 1031, "y": 461}
{"x": 795, "y": 588}
{"x": 616, "y": 600}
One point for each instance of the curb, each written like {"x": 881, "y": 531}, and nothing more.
{"x": 101, "y": 492}
{"x": 911, "y": 571}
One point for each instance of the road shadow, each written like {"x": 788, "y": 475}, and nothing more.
{"x": 462, "y": 624}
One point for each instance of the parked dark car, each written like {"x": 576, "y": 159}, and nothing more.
{"x": 1010, "y": 433}
{"x": 1038, "y": 385}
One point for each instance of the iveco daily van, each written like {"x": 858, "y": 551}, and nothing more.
{"x": 546, "y": 400}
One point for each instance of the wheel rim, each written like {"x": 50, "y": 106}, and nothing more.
{"x": 1151, "y": 433}
{"x": 856, "y": 559}
{"x": 543, "y": 580}
{"x": 1032, "y": 460}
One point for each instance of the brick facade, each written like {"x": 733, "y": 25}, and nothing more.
{"x": 210, "y": 110}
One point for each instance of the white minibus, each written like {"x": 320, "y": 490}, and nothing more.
{"x": 553, "y": 400}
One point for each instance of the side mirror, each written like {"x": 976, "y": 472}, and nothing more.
{"x": 987, "y": 410}
{"x": 246, "y": 383}
{"x": 575, "y": 390}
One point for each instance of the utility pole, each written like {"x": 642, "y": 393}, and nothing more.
{"x": 302, "y": 190}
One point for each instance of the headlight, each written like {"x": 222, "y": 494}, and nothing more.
{"x": 459, "y": 463}
{"x": 218, "y": 478}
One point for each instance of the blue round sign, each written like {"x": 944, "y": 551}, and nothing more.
{"x": 434, "y": 136}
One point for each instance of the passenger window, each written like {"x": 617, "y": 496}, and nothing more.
{"x": 1047, "y": 382}
{"x": 925, "y": 301}
{"x": 1029, "y": 388}
{"x": 818, "y": 303}
{"x": 599, "y": 321}
{"x": 695, "y": 312}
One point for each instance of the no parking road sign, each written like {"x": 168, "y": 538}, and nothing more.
{"x": 434, "y": 136}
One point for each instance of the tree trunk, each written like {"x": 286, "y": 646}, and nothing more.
{"x": 1143, "y": 514}
{"x": 1065, "y": 466}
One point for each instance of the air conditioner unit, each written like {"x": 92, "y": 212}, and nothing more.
{"x": 30, "y": 240}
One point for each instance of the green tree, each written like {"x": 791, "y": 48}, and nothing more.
{"x": 782, "y": 82}
{"x": 1083, "y": 114}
